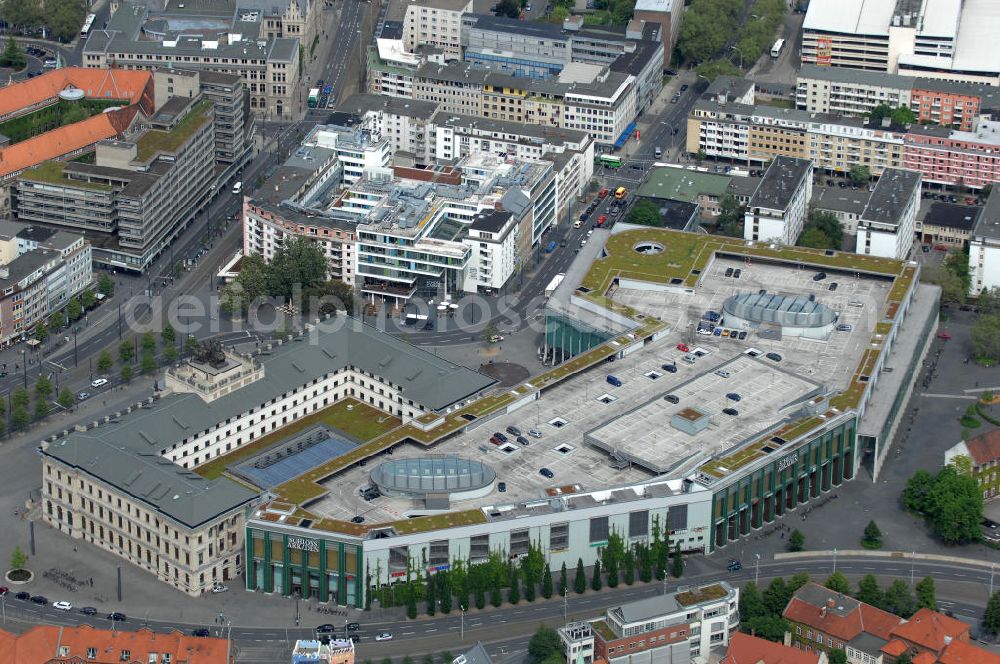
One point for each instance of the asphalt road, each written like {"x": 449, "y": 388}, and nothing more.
{"x": 961, "y": 589}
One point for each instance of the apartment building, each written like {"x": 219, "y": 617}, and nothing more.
{"x": 435, "y": 23}
{"x": 668, "y": 14}
{"x": 748, "y": 649}
{"x": 983, "y": 451}
{"x": 127, "y": 485}
{"x": 44, "y": 644}
{"x": 933, "y": 39}
{"x": 40, "y": 271}
{"x": 403, "y": 122}
{"x": 846, "y": 204}
{"x": 887, "y": 227}
{"x": 328, "y": 651}
{"x": 360, "y": 150}
{"x": 953, "y": 157}
{"x": 234, "y": 124}
{"x": 138, "y": 194}
{"x": 493, "y": 241}
{"x": 778, "y": 208}
{"x": 949, "y": 224}
{"x": 984, "y": 248}
{"x": 238, "y": 44}
{"x": 680, "y": 626}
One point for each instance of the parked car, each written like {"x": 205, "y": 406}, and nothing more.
{"x": 672, "y": 398}
{"x": 502, "y": 487}
{"x": 614, "y": 380}
{"x": 683, "y": 348}
{"x": 383, "y": 636}
{"x": 117, "y": 616}
{"x": 201, "y": 631}
{"x": 684, "y": 87}
{"x": 669, "y": 368}
{"x": 844, "y": 327}
{"x": 513, "y": 430}
{"x": 734, "y": 566}
{"x": 774, "y": 357}
{"x": 88, "y": 611}
{"x": 23, "y": 596}
{"x": 729, "y": 271}
{"x": 833, "y": 286}
{"x": 326, "y": 628}
{"x": 819, "y": 276}
{"x": 62, "y": 606}
{"x": 98, "y": 382}
{"x": 737, "y": 272}
{"x": 357, "y": 519}
{"x": 545, "y": 472}
{"x": 534, "y": 433}
{"x": 40, "y": 599}
{"x": 353, "y": 626}
{"x": 499, "y": 436}
{"x": 733, "y": 396}
{"x": 83, "y": 396}
{"x": 219, "y": 588}
{"x": 523, "y": 441}
{"x": 730, "y": 411}
{"x": 4, "y": 590}
{"x": 723, "y": 373}
{"x": 944, "y": 335}
{"x": 743, "y": 335}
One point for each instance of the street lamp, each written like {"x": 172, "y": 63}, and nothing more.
{"x": 756, "y": 568}
{"x": 913, "y": 561}
{"x": 834, "y": 561}
{"x": 463, "y": 622}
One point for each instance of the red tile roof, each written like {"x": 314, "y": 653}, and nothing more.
{"x": 894, "y": 648}
{"x": 985, "y": 447}
{"x": 960, "y": 652}
{"x": 931, "y": 630}
{"x": 41, "y": 644}
{"x": 64, "y": 140}
{"x": 924, "y": 658}
{"x": 858, "y": 617}
{"x": 134, "y": 86}
{"x": 746, "y": 649}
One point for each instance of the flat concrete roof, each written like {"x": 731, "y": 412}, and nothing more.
{"x": 644, "y": 436}
{"x": 682, "y": 184}
{"x": 779, "y": 183}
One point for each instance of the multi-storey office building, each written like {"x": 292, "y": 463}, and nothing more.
{"x": 934, "y": 39}
{"x": 40, "y": 271}
{"x": 236, "y": 44}
{"x": 138, "y": 195}
{"x": 887, "y": 226}
{"x": 681, "y": 626}
{"x": 436, "y": 23}
{"x": 668, "y": 14}
{"x": 234, "y": 124}
{"x": 778, "y": 208}
{"x": 126, "y": 486}
{"x": 952, "y": 157}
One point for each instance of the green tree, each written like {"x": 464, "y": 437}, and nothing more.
{"x": 926, "y": 596}
{"x": 147, "y": 364}
{"x": 105, "y": 285}
{"x": 41, "y": 331}
{"x": 645, "y": 213}
{"x": 955, "y": 507}
{"x": 446, "y": 657}
{"x": 860, "y": 174}
{"x": 899, "y": 599}
{"x": 57, "y": 320}
{"x": 816, "y": 239}
{"x": 776, "y": 596}
{"x": 148, "y": 342}
{"x": 126, "y": 352}
{"x": 580, "y": 580}
{"x": 991, "y": 618}
{"x": 168, "y": 336}
{"x": 514, "y": 591}
{"x": 730, "y": 219}
{"x": 496, "y": 599}
{"x": 596, "y": 582}
{"x": 952, "y": 288}
{"x": 771, "y": 627}
{"x": 127, "y": 373}
{"x": 837, "y": 656}
{"x": 12, "y": 56}
{"x": 87, "y": 299}
{"x": 904, "y": 658}
{"x": 41, "y": 409}
{"x": 20, "y": 397}
{"x": 563, "y": 580}
{"x": 822, "y": 230}
{"x": 544, "y": 643}
{"x": 985, "y": 337}
{"x": 677, "y": 562}
{"x": 713, "y": 69}
{"x": 190, "y": 343}
{"x": 918, "y": 488}
{"x": 17, "y": 559}
{"x": 431, "y": 596}
{"x": 751, "y": 603}
{"x": 66, "y": 398}
{"x": 872, "y": 539}
{"x": 529, "y": 589}
{"x": 252, "y": 284}
{"x": 411, "y": 604}
{"x": 445, "y": 591}
{"x": 838, "y": 583}
{"x": 19, "y": 418}
{"x": 869, "y": 591}
{"x": 547, "y": 582}
{"x": 104, "y": 361}
{"x": 74, "y": 310}
{"x": 508, "y": 8}
{"x": 798, "y": 580}
{"x": 796, "y": 541}
{"x": 169, "y": 354}
{"x": 43, "y": 388}
{"x": 298, "y": 262}
{"x": 629, "y": 567}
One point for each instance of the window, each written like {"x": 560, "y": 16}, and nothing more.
{"x": 91, "y": 653}
{"x": 599, "y": 529}
{"x": 638, "y": 524}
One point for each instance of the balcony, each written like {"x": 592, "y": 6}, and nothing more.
{"x": 387, "y": 288}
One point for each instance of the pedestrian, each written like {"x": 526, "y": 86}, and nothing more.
{"x": 91, "y": 582}
{"x": 74, "y": 548}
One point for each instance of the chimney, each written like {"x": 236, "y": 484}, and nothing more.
{"x": 830, "y": 602}
{"x": 822, "y": 612}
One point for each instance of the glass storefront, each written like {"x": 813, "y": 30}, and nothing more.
{"x": 309, "y": 568}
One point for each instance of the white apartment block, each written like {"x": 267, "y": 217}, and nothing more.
{"x": 361, "y": 151}
{"x": 494, "y": 240}
{"x": 849, "y": 92}
{"x": 984, "y": 248}
{"x": 604, "y": 115}
{"x": 435, "y": 23}
{"x": 887, "y": 226}
{"x": 778, "y": 208}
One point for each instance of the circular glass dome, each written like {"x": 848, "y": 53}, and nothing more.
{"x": 460, "y": 478}
{"x": 71, "y": 94}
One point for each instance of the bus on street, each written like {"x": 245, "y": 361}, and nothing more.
{"x": 88, "y": 23}
{"x": 313, "y": 97}
{"x": 776, "y": 49}
{"x": 610, "y": 161}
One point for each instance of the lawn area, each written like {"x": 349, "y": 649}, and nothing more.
{"x": 56, "y": 115}
{"x": 52, "y": 172}
{"x": 169, "y": 141}
{"x": 361, "y": 422}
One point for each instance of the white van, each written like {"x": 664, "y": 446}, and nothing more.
{"x": 658, "y": 152}
{"x": 238, "y": 187}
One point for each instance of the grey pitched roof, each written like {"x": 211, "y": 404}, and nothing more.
{"x": 476, "y": 655}
{"x": 359, "y": 104}
{"x": 988, "y": 225}
{"x": 888, "y": 200}
{"x": 779, "y": 183}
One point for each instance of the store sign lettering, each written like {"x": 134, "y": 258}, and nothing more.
{"x": 303, "y": 544}
{"x": 788, "y": 461}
